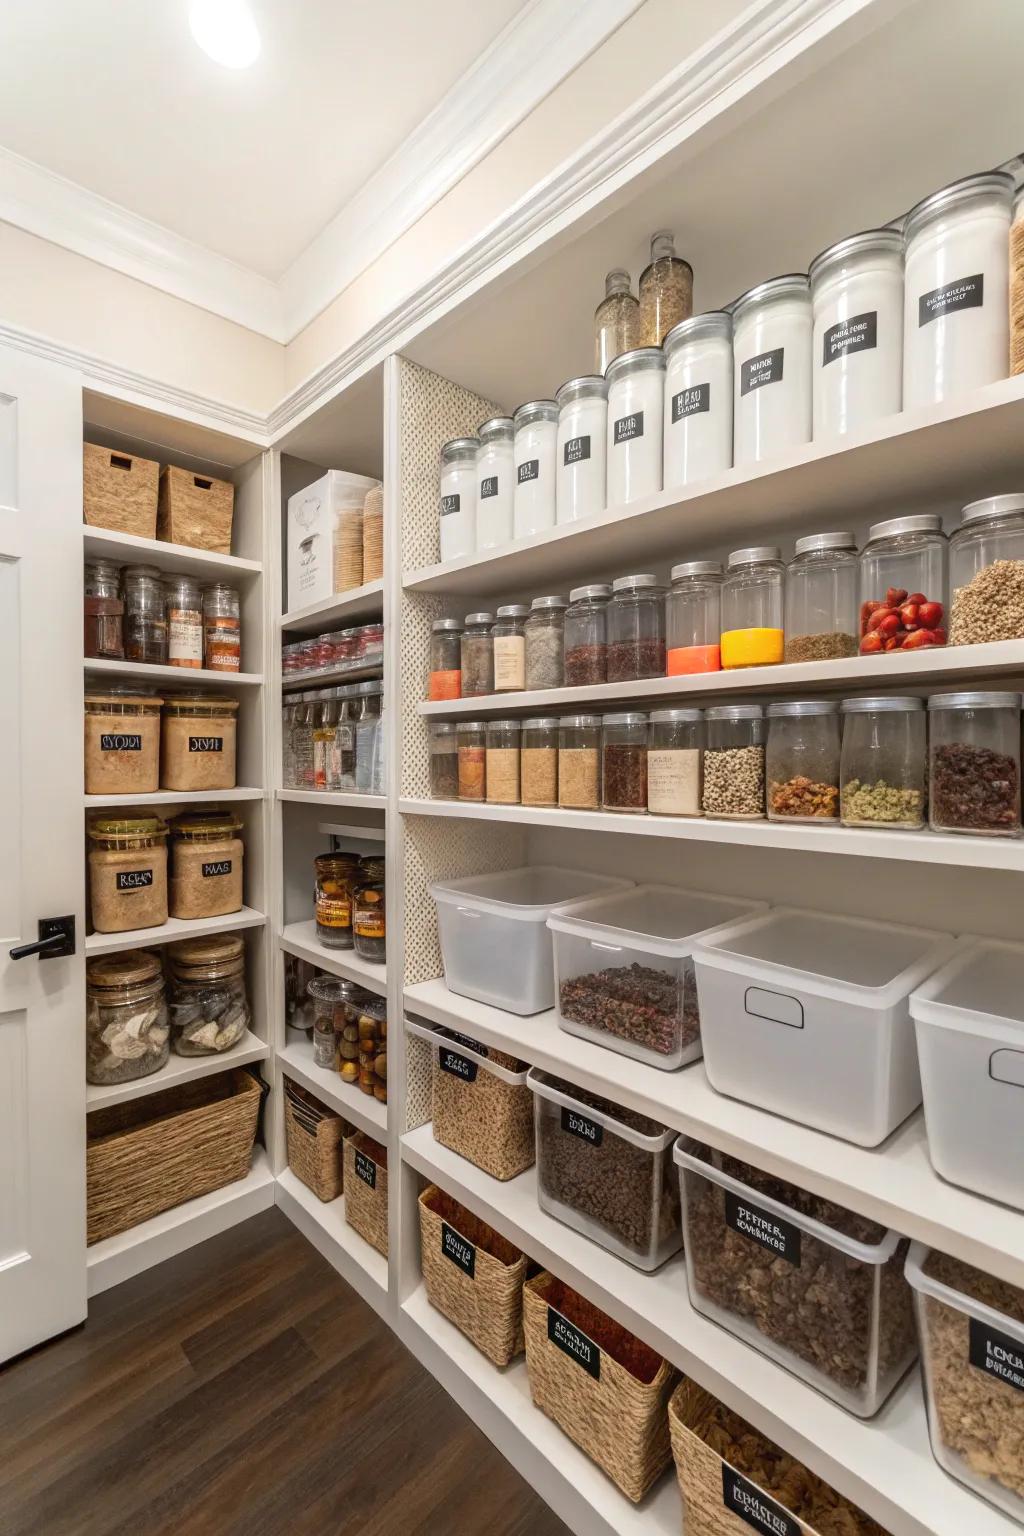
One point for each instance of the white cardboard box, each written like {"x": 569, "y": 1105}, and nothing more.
{"x": 311, "y": 517}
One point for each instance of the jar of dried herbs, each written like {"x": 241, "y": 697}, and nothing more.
{"x": 444, "y": 760}
{"x": 579, "y": 762}
{"x": 368, "y": 912}
{"x": 198, "y": 742}
{"x": 206, "y": 864}
{"x": 477, "y": 655}
{"x": 502, "y": 764}
{"x": 472, "y": 739}
{"x": 882, "y": 766}
{"x": 126, "y": 1028}
{"x": 209, "y": 1009}
{"x": 336, "y": 874}
{"x": 624, "y": 762}
{"x": 538, "y": 761}
{"x": 544, "y": 631}
{"x": 122, "y": 742}
{"x": 127, "y": 873}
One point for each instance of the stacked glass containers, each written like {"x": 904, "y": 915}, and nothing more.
{"x": 445, "y": 664}
{"x": 581, "y": 454}
{"x": 145, "y": 618}
{"x": 636, "y": 629}
{"x": 535, "y": 453}
{"x": 903, "y": 585}
{"x": 674, "y": 750}
{"x": 635, "y": 436}
{"x": 495, "y": 473}
{"x": 616, "y": 320}
{"x": 734, "y": 762}
{"x": 986, "y": 572}
{"x": 586, "y": 636}
{"x": 883, "y": 765}
{"x": 458, "y": 497}
{"x": 543, "y": 633}
{"x": 821, "y": 598}
{"x": 752, "y": 608}
{"x": 802, "y": 766}
{"x": 698, "y": 399}
{"x": 693, "y": 618}
{"x": 974, "y": 763}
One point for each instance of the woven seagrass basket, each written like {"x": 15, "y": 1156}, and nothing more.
{"x": 195, "y": 509}
{"x": 366, "y": 1189}
{"x": 472, "y": 1275}
{"x": 314, "y": 1136}
{"x": 119, "y": 491}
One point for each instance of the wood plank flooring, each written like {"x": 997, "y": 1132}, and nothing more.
{"x": 243, "y": 1389}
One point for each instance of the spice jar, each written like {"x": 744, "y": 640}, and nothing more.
{"x": 544, "y": 634}
{"x": 616, "y": 320}
{"x": 458, "y": 497}
{"x": 772, "y": 327}
{"x": 585, "y": 639}
{"x": 803, "y": 761}
{"x": 579, "y": 762}
{"x": 535, "y": 452}
{"x": 502, "y": 768}
{"x": 986, "y": 572}
{"x": 495, "y": 477}
{"x": 197, "y": 742}
{"x": 693, "y": 618}
{"x": 222, "y": 628}
{"x": 184, "y": 609}
{"x": 882, "y": 767}
{"x": 206, "y": 864}
{"x": 903, "y": 585}
{"x": 126, "y": 1028}
{"x": 734, "y": 762}
{"x": 509, "y": 639}
{"x": 538, "y": 761}
{"x": 857, "y": 301}
{"x": 145, "y": 614}
{"x": 103, "y": 631}
{"x": 444, "y": 760}
{"x": 127, "y": 873}
{"x": 472, "y": 739}
{"x": 674, "y": 750}
{"x": 955, "y": 313}
{"x": 368, "y": 911}
{"x": 666, "y": 290}
{"x": 209, "y": 1009}
{"x": 624, "y": 762}
{"x": 752, "y": 605}
{"x": 974, "y": 763}
{"x": 698, "y": 399}
{"x": 445, "y": 679}
{"x": 636, "y": 406}
{"x": 821, "y": 598}
{"x": 477, "y": 655}
{"x": 580, "y": 464}
{"x": 636, "y": 629}
{"x": 331, "y": 999}
{"x": 122, "y": 742}
{"x": 335, "y": 876}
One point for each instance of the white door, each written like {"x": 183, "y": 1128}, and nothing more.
{"x": 42, "y": 1053}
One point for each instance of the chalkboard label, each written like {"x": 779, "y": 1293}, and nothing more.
{"x": 997, "y": 1354}
{"x": 778, "y": 1236}
{"x": 755, "y": 1508}
{"x": 574, "y": 1343}
{"x": 366, "y": 1169}
{"x": 206, "y": 743}
{"x": 216, "y": 867}
{"x": 628, "y": 427}
{"x": 134, "y": 879}
{"x": 458, "y": 1066}
{"x": 691, "y": 402}
{"x": 578, "y": 1125}
{"x": 488, "y": 487}
{"x": 115, "y": 741}
{"x": 965, "y": 293}
{"x": 455, "y": 1247}
{"x": 450, "y": 504}
{"x": 576, "y": 450}
{"x": 470, "y": 1044}
{"x": 858, "y": 334}
{"x": 764, "y": 369}
{"x": 528, "y": 470}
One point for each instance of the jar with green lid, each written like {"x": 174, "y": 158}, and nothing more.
{"x": 122, "y": 742}
{"x": 209, "y": 1009}
{"x": 206, "y": 864}
{"x": 126, "y": 1029}
{"x": 331, "y": 997}
{"x": 127, "y": 873}
{"x": 198, "y": 742}
{"x": 538, "y": 761}
{"x": 369, "y": 925}
{"x": 579, "y": 762}
{"x": 335, "y": 876}
{"x": 543, "y": 632}
{"x": 145, "y": 617}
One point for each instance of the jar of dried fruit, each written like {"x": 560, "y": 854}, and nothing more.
{"x": 126, "y": 1029}
{"x": 803, "y": 761}
{"x": 206, "y": 864}
{"x": 986, "y": 572}
{"x": 127, "y": 873}
{"x": 974, "y": 763}
{"x": 336, "y": 873}
{"x": 368, "y": 913}
{"x": 636, "y": 629}
{"x": 821, "y": 598}
{"x": 122, "y": 742}
{"x": 197, "y": 749}
{"x": 882, "y": 766}
{"x": 209, "y": 1009}
{"x": 903, "y": 585}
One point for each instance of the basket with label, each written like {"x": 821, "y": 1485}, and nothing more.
{"x": 314, "y": 1136}
{"x": 734, "y": 1480}
{"x": 473, "y": 1275}
{"x": 605, "y": 1388}
{"x": 366, "y": 1189}
{"x": 119, "y": 491}
{"x": 195, "y": 509}
{"x": 482, "y": 1106}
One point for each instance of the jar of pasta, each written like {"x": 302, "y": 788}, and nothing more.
{"x": 122, "y": 742}
{"x": 335, "y": 876}
{"x": 197, "y": 750}
{"x": 127, "y": 873}
{"x": 206, "y": 864}
{"x": 209, "y": 1009}
{"x": 126, "y": 1025}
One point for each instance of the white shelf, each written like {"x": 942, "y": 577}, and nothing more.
{"x": 172, "y": 1232}
{"x": 181, "y": 677}
{"x": 894, "y": 1184}
{"x": 332, "y": 676}
{"x": 362, "y": 1109}
{"x": 108, "y": 544}
{"x": 300, "y": 939}
{"x": 178, "y": 1069}
{"x": 175, "y": 797}
{"x": 174, "y": 928}
{"x": 885, "y": 1465}
{"x": 333, "y": 797}
{"x": 916, "y": 847}
{"x": 325, "y": 1227}
{"x": 365, "y": 602}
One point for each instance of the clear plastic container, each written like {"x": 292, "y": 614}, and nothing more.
{"x": 582, "y": 431}
{"x": 635, "y": 437}
{"x": 538, "y": 761}
{"x": 579, "y": 762}
{"x": 636, "y": 629}
{"x": 693, "y": 618}
{"x": 198, "y": 740}
{"x": 883, "y": 767}
{"x": 857, "y": 298}
{"x": 666, "y": 290}
{"x": 458, "y": 491}
{"x": 330, "y": 995}
{"x": 903, "y": 585}
{"x": 535, "y": 448}
{"x": 624, "y": 975}
{"x": 624, "y": 762}
{"x": 544, "y": 633}
{"x": 471, "y": 736}
{"x": 986, "y": 572}
{"x": 502, "y": 762}
{"x": 616, "y": 320}
{"x": 807, "y": 1015}
{"x": 585, "y": 640}
{"x": 815, "y": 1287}
{"x": 802, "y": 761}
{"x": 444, "y": 680}
{"x": 495, "y": 944}
{"x": 772, "y": 327}
{"x": 481, "y": 1102}
{"x": 605, "y": 1172}
{"x": 674, "y": 753}
{"x": 733, "y": 787}
{"x": 127, "y": 865}
{"x": 207, "y": 864}
{"x": 974, "y": 763}
{"x": 822, "y": 583}
{"x": 444, "y": 760}
{"x": 476, "y": 657}
{"x": 698, "y": 399}
{"x": 145, "y": 617}
{"x": 495, "y": 473}
{"x": 752, "y": 608}
{"x": 508, "y": 636}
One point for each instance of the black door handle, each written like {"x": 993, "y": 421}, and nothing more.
{"x": 56, "y": 939}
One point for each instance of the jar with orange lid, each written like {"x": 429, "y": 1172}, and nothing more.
{"x": 197, "y": 745}
{"x": 126, "y": 1028}
{"x": 336, "y": 874}
{"x": 122, "y": 742}
{"x": 206, "y": 864}
{"x": 368, "y": 920}
{"x": 127, "y": 873}
{"x": 208, "y": 1006}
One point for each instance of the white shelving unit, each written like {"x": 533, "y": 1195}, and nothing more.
{"x": 325, "y": 1226}
{"x": 296, "y": 1060}
{"x": 358, "y": 605}
{"x": 333, "y": 797}
{"x": 152, "y": 672}
{"x": 174, "y": 928}
{"x": 300, "y": 939}
{"x": 178, "y": 1069}
{"x": 204, "y": 564}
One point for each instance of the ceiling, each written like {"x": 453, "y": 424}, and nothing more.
{"x": 115, "y": 96}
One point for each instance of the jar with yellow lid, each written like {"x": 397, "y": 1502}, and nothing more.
{"x": 206, "y": 864}
{"x": 197, "y": 749}
{"x": 122, "y": 742}
{"x": 127, "y": 873}
{"x": 126, "y": 1025}
{"x": 209, "y": 1009}
{"x": 336, "y": 874}
{"x": 368, "y": 921}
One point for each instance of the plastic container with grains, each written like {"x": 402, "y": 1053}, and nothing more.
{"x": 209, "y": 1009}
{"x": 471, "y": 736}
{"x": 127, "y": 864}
{"x": 543, "y": 633}
{"x": 444, "y": 760}
{"x": 883, "y": 765}
{"x": 579, "y": 762}
{"x": 206, "y": 864}
{"x": 198, "y": 742}
{"x": 674, "y": 752}
{"x": 802, "y": 760}
{"x": 122, "y": 742}
{"x": 538, "y": 761}
{"x": 482, "y": 1106}
{"x": 126, "y": 1028}
{"x": 986, "y": 572}
{"x": 733, "y": 764}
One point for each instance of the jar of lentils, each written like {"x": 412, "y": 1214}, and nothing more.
{"x": 636, "y": 629}
{"x": 734, "y": 762}
{"x": 974, "y": 763}
{"x": 803, "y": 761}
{"x": 882, "y": 767}
{"x": 624, "y": 762}
{"x": 585, "y": 639}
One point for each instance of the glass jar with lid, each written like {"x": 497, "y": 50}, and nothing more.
{"x": 458, "y": 497}
{"x": 636, "y": 406}
{"x": 544, "y": 633}
{"x": 122, "y": 742}
{"x": 369, "y": 738}
{"x": 369, "y": 925}
{"x": 675, "y": 747}
{"x": 822, "y": 583}
{"x": 288, "y": 708}
{"x": 903, "y": 584}
{"x": 198, "y": 742}
{"x": 616, "y": 319}
{"x": 624, "y": 762}
{"x": 693, "y": 618}
{"x": 733, "y": 786}
{"x": 986, "y": 572}
{"x": 472, "y": 742}
{"x": 222, "y": 628}
{"x": 145, "y": 614}
{"x": 538, "y": 761}
{"x": 331, "y": 997}
{"x": 772, "y": 326}
{"x": 882, "y": 776}
{"x": 509, "y": 638}
{"x": 666, "y": 290}
{"x": 857, "y": 301}
{"x": 335, "y": 876}
{"x": 127, "y": 873}
{"x": 535, "y": 454}
{"x": 636, "y": 629}
{"x": 444, "y": 760}
{"x": 974, "y": 763}
{"x": 698, "y": 399}
{"x": 104, "y": 612}
{"x": 445, "y": 664}
{"x": 495, "y": 480}
{"x": 579, "y": 762}
{"x": 752, "y": 608}
{"x": 585, "y": 640}
{"x": 580, "y": 464}
{"x": 126, "y": 1028}
{"x": 206, "y": 864}
{"x": 325, "y": 729}
{"x": 803, "y": 760}
{"x": 502, "y": 767}
{"x": 477, "y": 655}
{"x": 183, "y": 600}
{"x": 209, "y": 1009}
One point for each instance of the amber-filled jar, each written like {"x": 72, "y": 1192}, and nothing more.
{"x": 368, "y": 917}
{"x": 336, "y": 873}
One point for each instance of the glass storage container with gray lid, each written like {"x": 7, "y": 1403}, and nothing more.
{"x": 675, "y": 745}
{"x": 544, "y": 632}
{"x": 538, "y": 760}
{"x": 772, "y": 327}
{"x": 986, "y": 572}
{"x": 753, "y": 596}
{"x": 582, "y": 428}
{"x": 857, "y": 298}
{"x": 802, "y": 764}
{"x": 616, "y": 319}
{"x": 145, "y": 617}
{"x": 734, "y": 762}
{"x": 974, "y": 763}
{"x": 635, "y": 436}
{"x": 698, "y": 399}
{"x": 822, "y": 582}
{"x": 535, "y": 453}
{"x": 636, "y": 629}
{"x": 444, "y": 760}
{"x": 624, "y": 762}
{"x": 477, "y": 655}
{"x": 903, "y": 572}
{"x": 495, "y": 474}
{"x": 585, "y": 647}
{"x": 508, "y": 635}
{"x": 579, "y": 762}
{"x": 445, "y": 660}
{"x": 458, "y": 493}
{"x": 882, "y": 775}
{"x": 693, "y": 618}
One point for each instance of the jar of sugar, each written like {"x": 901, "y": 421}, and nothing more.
{"x": 582, "y": 426}
{"x": 534, "y": 451}
{"x": 772, "y": 369}
{"x": 458, "y": 498}
{"x": 857, "y": 351}
{"x": 636, "y": 388}
{"x": 495, "y": 473}
{"x": 698, "y": 398}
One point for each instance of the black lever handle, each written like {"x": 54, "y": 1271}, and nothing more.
{"x": 56, "y": 939}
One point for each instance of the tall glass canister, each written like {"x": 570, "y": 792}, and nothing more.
{"x": 698, "y": 399}
{"x": 772, "y": 327}
{"x": 458, "y": 495}
{"x": 857, "y": 297}
{"x": 495, "y": 473}
{"x": 636, "y": 406}
{"x": 974, "y": 763}
{"x": 693, "y": 618}
{"x": 535, "y": 451}
{"x": 582, "y": 428}
{"x": 753, "y": 600}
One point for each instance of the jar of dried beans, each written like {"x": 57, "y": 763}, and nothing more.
{"x": 445, "y": 679}
{"x": 472, "y": 739}
{"x": 369, "y": 927}
{"x": 636, "y": 629}
{"x": 502, "y": 763}
{"x": 127, "y": 873}
{"x": 122, "y": 742}
{"x": 538, "y": 761}
{"x": 734, "y": 762}
{"x": 752, "y": 608}
{"x": 336, "y": 873}
{"x": 974, "y": 762}
{"x": 104, "y": 610}
{"x": 145, "y": 615}
{"x": 882, "y": 767}
{"x": 585, "y": 640}
{"x": 477, "y": 655}
{"x": 206, "y": 864}
{"x": 508, "y": 635}
{"x": 821, "y": 598}
{"x": 197, "y": 750}
{"x": 693, "y": 618}
{"x": 126, "y": 1028}
{"x": 444, "y": 760}
{"x": 803, "y": 761}
{"x": 222, "y": 628}
{"x": 903, "y": 585}
{"x": 624, "y": 762}
{"x": 674, "y": 751}
{"x": 544, "y": 632}
{"x": 184, "y": 609}
{"x": 579, "y": 762}
{"x": 986, "y": 572}
{"x": 209, "y": 1009}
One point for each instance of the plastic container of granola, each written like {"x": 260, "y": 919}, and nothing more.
{"x": 206, "y": 864}
{"x": 198, "y": 739}
{"x": 122, "y": 742}
{"x": 482, "y": 1108}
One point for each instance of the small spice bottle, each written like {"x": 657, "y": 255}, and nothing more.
{"x": 206, "y": 864}
{"x": 472, "y": 739}
{"x": 538, "y": 761}
{"x": 127, "y": 873}
{"x": 624, "y": 762}
{"x": 674, "y": 750}
{"x": 666, "y": 290}
{"x": 636, "y": 406}
{"x": 535, "y": 451}
{"x": 821, "y": 598}
{"x": 502, "y": 764}
{"x": 209, "y": 1009}
{"x": 585, "y": 641}
{"x": 495, "y": 473}
{"x": 582, "y": 429}
{"x": 335, "y": 875}
{"x": 369, "y": 927}
{"x": 974, "y": 763}
{"x": 445, "y": 679}
{"x": 444, "y": 760}
{"x": 330, "y": 995}
{"x": 508, "y": 635}
{"x": 698, "y": 399}
{"x": 616, "y": 320}
{"x": 222, "y": 628}
{"x": 803, "y": 761}
{"x": 903, "y": 573}
{"x": 126, "y": 1027}
{"x": 986, "y": 572}
{"x": 636, "y": 629}
{"x": 184, "y": 609}
{"x": 122, "y": 742}
{"x": 693, "y": 618}
{"x": 883, "y": 762}
{"x": 579, "y": 762}
{"x": 734, "y": 762}
{"x": 104, "y": 610}
{"x": 458, "y": 497}
{"x": 145, "y": 614}
{"x": 544, "y": 633}
{"x": 477, "y": 655}
{"x": 752, "y": 608}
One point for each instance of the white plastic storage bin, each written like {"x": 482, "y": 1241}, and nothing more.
{"x": 807, "y": 1015}
{"x": 481, "y": 1103}
{"x": 970, "y": 1039}
{"x": 814, "y": 1286}
{"x": 623, "y": 969}
{"x": 495, "y": 943}
{"x": 605, "y": 1172}
{"x": 972, "y": 1352}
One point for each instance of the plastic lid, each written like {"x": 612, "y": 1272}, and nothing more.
{"x": 479, "y": 618}
{"x": 870, "y": 241}
{"x": 920, "y": 522}
{"x": 709, "y": 325}
{"x": 513, "y": 611}
{"x": 130, "y": 968}
{"x": 124, "y": 696}
{"x": 616, "y": 281}
{"x": 535, "y": 410}
{"x": 443, "y": 728}
{"x": 548, "y": 602}
{"x": 637, "y": 361}
{"x": 127, "y": 828}
{"x": 495, "y": 427}
{"x": 675, "y": 716}
{"x": 504, "y": 725}
{"x": 796, "y": 708}
{"x": 213, "y": 702}
{"x": 589, "y": 386}
{"x": 696, "y": 568}
{"x": 204, "y": 824}
{"x": 888, "y": 703}
{"x": 974, "y": 701}
{"x": 457, "y": 446}
{"x": 540, "y": 722}
{"x": 735, "y": 712}
{"x": 626, "y": 717}
{"x": 634, "y": 583}
{"x": 815, "y": 541}
{"x": 579, "y": 722}
{"x": 792, "y": 285}
{"x": 755, "y": 555}
{"x": 598, "y": 589}
{"x": 471, "y": 725}
{"x": 446, "y": 625}
{"x": 985, "y": 184}
{"x": 992, "y": 506}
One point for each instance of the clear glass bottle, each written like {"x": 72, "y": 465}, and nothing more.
{"x": 535, "y": 452}
{"x": 624, "y": 762}
{"x": 508, "y": 635}
{"x": 821, "y": 598}
{"x": 580, "y": 479}
{"x": 289, "y": 705}
{"x": 675, "y": 748}
{"x": 458, "y": 494}
{"x": 222, "y": 628}
{"x": 445, "y": 662}
{"x": 538, "y": 761}
{"x": 802, "y": 764}
{"x": 579, "y": 762}
{"x": 145, "y": 617}
{"x": 369, "y": 736}
{"x": 903, "y": 584}
{"x": 635, "y": 436}
{"x": 544, "y": 633}
{"x": 752, "y": 608}
{"x": 369, "y": 922}
{"x": 477, "y": 655}
{"x": 472, "y": 739}
{"x": 302, "y": 739}
{"x": 585, "y": 641}
{"x": 502, "y": 762}
{"x": 734, "y": 762}
{"x": 495, "y": 473}
{"x": 986, "y": 572}
{"x": 693, "y": 618}
{"x": 857, "y": 359}
{"x": 325, "y": 728}
{"x": 616, "y": 320}
{"x": 104, "y": 610}
{"x": 882, "y": 774}
{"x": 772, "y": 409}
{"x": 666, "y": 290}
{"x": 444, "y": 760}
{"x": 184, "y": 608}
{"x": 636, "y": 629}
{"x": 336, "y": 874}
{"x": 698, "y": 399}
{"x": 974, "y": 763}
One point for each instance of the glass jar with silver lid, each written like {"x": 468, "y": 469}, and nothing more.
{"x": 636, "y": 405}
{"x": 636, "y": 629}
{"x": 903, "y": 573}
{"x": 986, "y": 572}
{"x": 674, "y": 749}
{"x": 753, "y": 608}
{"x": 582, "y": 427}
{"x": 772, "y": 328}
{"x": 733, "y": 787}
{"x": 544, "y": 632}
{"x": 698, "y": 399}
{"x": 803, "y": 760}
{"x": 693, "y": 618}
{"x": 458, "y": 498}
{"x": 821, "y": 598}
{"x": 495, "y": 473}
{"x": 477, "y": 655}
{"x": 508, "y": 636}
{"x": 974, "y": 763}
{"x": 535, "y": 452}
{"x": 883, "y": 762}
{"x": 857, "y": 299}
{"x": 585, "y": 642}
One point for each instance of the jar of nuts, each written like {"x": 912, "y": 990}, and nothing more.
{"x": 803, "y": 761}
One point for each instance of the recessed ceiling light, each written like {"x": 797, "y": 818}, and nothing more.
{"x": 225, "y": 30}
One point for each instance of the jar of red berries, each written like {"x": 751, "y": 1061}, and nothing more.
{"x": 903, "y": 582}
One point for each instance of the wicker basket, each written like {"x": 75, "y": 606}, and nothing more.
{"x": 366, "y": 1189}
{"x": 314, "y": 1135}
{"x": 153, "y": 1153}
{"x": 195, "y": 510}
{"x": 482, "y": 1104}
{"x": 615, "y": 1416}
{"x": 119, "y": 491}
{"x": 472, "y": 1275}
{"x": 373, "y": 534}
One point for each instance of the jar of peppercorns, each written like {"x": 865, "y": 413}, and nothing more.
{"x": 903, "y": 585}
{"x": 802, "y": 766}
{"x": 974, "y": 762}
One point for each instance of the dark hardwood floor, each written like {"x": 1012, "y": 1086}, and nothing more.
{"x": 244, "y": 1389}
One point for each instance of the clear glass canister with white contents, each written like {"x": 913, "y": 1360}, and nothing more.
{"x": 636, "y": 405}
{"x": 458, "y": 497}
{"x": 698, "y": 399}
{"x": 857, "y": 297}
{"x": 535, "y": 450}
{"x": 582, "y": 427}
{"x": 772, "y": 327}
{"x": 495, "y": 470}
{"x": 986, "y": 572}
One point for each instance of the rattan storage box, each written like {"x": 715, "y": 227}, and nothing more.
{"x": 195, "y": 509}
{"x": 366, "y": 1189}
{"x": 119, "y": 491}
{"x": 153, "y": 1153}
{"x": 314, "y": 1136}
{"x": 473, "y": 1275}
